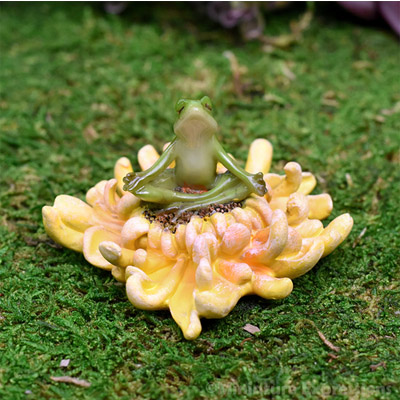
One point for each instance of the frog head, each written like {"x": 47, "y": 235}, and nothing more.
{"x": 195, "y": 121}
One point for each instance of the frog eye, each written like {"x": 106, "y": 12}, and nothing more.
{"x": 206, "y": 103}
{"x": 180, "y": 105}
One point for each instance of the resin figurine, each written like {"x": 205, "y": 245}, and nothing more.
{"x": 195, "y": 151}
{"x": 194, "y": 232}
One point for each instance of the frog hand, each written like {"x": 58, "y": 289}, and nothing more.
{"x": 133, "y": 182}
{"x": 258, "y": 184}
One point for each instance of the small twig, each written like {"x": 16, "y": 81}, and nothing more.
{"x": 362, "y": 233}
{"x": 70, "y": 379}
{"x": 322, "y": 336}
{"x": 374, "y": 367}
{"x": 327, "y": 342}
{"x": 245, "y": 340}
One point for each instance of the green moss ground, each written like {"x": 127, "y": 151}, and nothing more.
{"x": 79, "y": 89}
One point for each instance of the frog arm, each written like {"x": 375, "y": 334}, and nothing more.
{"x": 255, "y": 182}
{"x": 134, "y": 181}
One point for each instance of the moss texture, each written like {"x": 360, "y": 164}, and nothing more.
{"x": 79, "y": 89}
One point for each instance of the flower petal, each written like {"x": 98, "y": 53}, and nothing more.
{"x": 260, "y": 157}
{"x": 60, "y": 232}
{"x": 91, "y": 241}
{"x": 147, "y": 156}
{"x": 122, "y": 167}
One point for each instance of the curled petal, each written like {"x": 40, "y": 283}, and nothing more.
{"x": 297, "y": 208}
{"x": 147, "y": 294}
{"x": 96, "y": 193}
{"x": 183, "y": 308}
{"x": 118, "y": 273}
{"x": 204, "y": 274}
{"x": 296, "y": 265}
{"x": 321, "y": 206}
{"x": 269, "y": 287}
{"x": 260, "y": 157}
{"x": 237, "y": 273}
{"x": 91, "y": 241}
{"x": 147, "y": 156}
{"x": 220, "y": 299}
{"x": 261, "y": 206}
{"x": 110, "y": 195}
{"x": 277, "y": 239}
{"x": 336, "y": 232}
{"x": 74, "y": 212}
{"x": 235, "y": 239}
{"x": 127, "y": 205}
{"x": 308, "y": 183}
{"x": 122, "y": 167}
{"x": 291, "y": 182}
{"x": 168, "y": 244}
{"x": 310, "y": 228}
{"x": 116, "y": 255}
{"x": 154, "y": 236}
{"x": 133, "y": 229}
{"x": 59, "y": 231}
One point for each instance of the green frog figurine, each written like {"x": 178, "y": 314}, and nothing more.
{"x": 193, "y": 182}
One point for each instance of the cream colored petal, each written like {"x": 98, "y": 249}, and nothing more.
{"x": 133, "y": 229}
{"x": 149, "y": 295}
{"x": 235, "y": 239}
{"x": 310, "y": 228}
{"x": 60, "y": 232}
{"x": 261, "y": 206}
{"x": 294, "y": 243}
{"x": 127, "y": 205}
{"x": 297, "y": 208}
{"x": 118, "y": 273}
{"x": 221, "y": 169}
{"x": 147, "y": 156}
{"x": 277, "y": 239}
{"x": 242, "y": 217}
{"x": 291, "y": 182}
{"x": 180, "y": 237}
{"x": 237, "y": 273}
{"x": 110, "y": 197}
{"x": 219, "y": 221}
{"x": 296, "y": 265}
{"x": 96, "y": 193}
{"x": 91, "y": 241}
{"x": 274, "y": 180}
{"x": 154, "y": 236}
{"x": 74, "y": 212}
{"x": 204, "y": 275}
{"x": 308, "y": 183}
{"x": 220, "y": 299}
{"x": 278, "y": 203}
{"x": 269, "y": 287}
{"x": 122, "y": 167}
{"x": 321, "y": 206}
{"x": 193, "y": 228}
{"x": 168, "y": 244}
{"x": 116, "y": 254}
{"x": 336, "y": 232}
{"x": 182, "y": 306}
{"x": 260, "y": 156}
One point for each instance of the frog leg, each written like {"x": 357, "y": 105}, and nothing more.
{"x": 234, "y": 189}
{"x": 162, "y": 190}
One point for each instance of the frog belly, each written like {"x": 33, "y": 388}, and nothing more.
{"x": 195, "y": 171}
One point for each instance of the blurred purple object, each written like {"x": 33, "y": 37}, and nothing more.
{"x": 370, "y": 10}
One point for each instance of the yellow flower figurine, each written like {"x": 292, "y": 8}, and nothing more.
{"x": 194, "y": 232}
